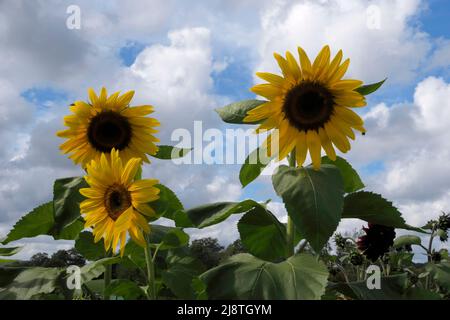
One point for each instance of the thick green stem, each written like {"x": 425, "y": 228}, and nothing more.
{"x": 290, "y": 230}
{"x": 151, "y": 292}
{"x": 107, "y": 278}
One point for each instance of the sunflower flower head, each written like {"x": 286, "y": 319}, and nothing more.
{"x": 376, "y": 242}
{"x": 105, "y": 123}
{"x": 116, "y": 204}
{"x": 310, "y": 104}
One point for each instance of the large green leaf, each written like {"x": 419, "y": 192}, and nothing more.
{"x": 440, "y": 273}
{"x": 170, "y": 152}
{"x": 66, "y": 201}
{"x": 373, "y": 208}
{"x": 71, "y": 231}
{"x": 37, "y": 222}
{"x": 253, "y": 166}
{"x": 214, "y": 213}
{"x": 404, "y": 240}
{"x": 167, "y": 237}
{"x": 8, "y": 273}
{"x": 127, "y": 289}
{"x": 87, "y": 248}
{"x": 6, "y": 252}
{"x": 168, "y": 205}
{"x": 370, "y": 88}
{"x": 352, "y": 181}
{"x": 180, "y": 274}
{"x": 244, "y": 276}
{"x": 31, "y": 282}
{"x": 96, "y": 268}
{"x": 262, "y": 234}
{"x": 237, "y": 111}
{"x": 313, "y": 199}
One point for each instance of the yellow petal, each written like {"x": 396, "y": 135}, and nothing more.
{"x": 301, "y": 148}
{"x": 313, "y": 142}
{"x": 326, "y": 144}
{"x": 305, "y": 64}
{"x": 293, "y": 66}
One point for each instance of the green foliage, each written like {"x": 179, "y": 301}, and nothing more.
{"x": 373, "y": 208}
{"x": 237, "y": 111}
{"x": 440, "y": 272}
{"x": 313, "y": 200}
{"x": 168, "y": 205}
{"x": 244, "y": 276}
{"x": 170, "y": 152}
{"x": 96, "y": 268}
{"x": 7, "y": 252}
{"x": 31, "y": 282}
{"x": 263, "y": 235}
{"x": 214, "y": 213}
{"x": 124, "y": 288}
{"x": 352, "y": 181}
{"x": 406, "y": 240}
{"x": 86, "y": 246}
{"x": 206, "y": 250}
{"x": 251, "y": 170}
{"x": 66, "y": 202}
{"x": 167, "y": 237}
{"x": 370, "y": 88}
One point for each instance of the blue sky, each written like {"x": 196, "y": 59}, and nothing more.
{"x": 189, "y": 58}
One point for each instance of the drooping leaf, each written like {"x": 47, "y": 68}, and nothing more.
{"x": 237, "y": 111}
{"x": 7, "y": 252}
{"x": 253, "y": 166}
{"x": 31, "y": 282}
{"x": 313, "y": 200}
{"x": 168, "y": 205}
{"x": 167, "y": 237}
{"x": 352, "y": 181}
{"x": 170, "y": 152}
{"x": 214, "y": 213}
{"x": 440, "y": 273}
{"x": 370, "y": 88}
{"x": 127, "y": 289}
{"x": 373, "y": 208}
{"x": 244, "y": 276}
{"x": 37, "y": 222}
{"x": 262, "y": 234}
{"x": 404, "y": 240}
{"x": 87, "y": 248}
{"x": 66, "y": 201}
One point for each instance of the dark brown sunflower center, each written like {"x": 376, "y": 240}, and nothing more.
{"x": 117, "y": 200}
{"x": 308, "y": 106}
{"x": 109, "y": 130}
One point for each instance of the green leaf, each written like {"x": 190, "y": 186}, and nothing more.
{"x": 179, "y": 276}
{"x": 31, "y": 282}
{"x": 167, "y": 237}
{"x": 125, "y": 288}
{"x": 200, "y": 289}
{"x": 262, "y": 234}
{"x": 313, "y": 200}
{"x": 37, "y": 222}
{"x": 168, "y": 205}
{"x": 352, "y": 181}
{"x": 404, "y": 240}
{"x": 244, "y": 276}
{"x": 237, "y": 111}
{"x": 71, "y": 231}
{"x": 135, "y": 254}
{"x": 85, "y": 246}
{"x": 66, "y": 201}
{"x": 8, "y": 273}
{"x": 214, "y": 213}
{"x": 373, "y": 208}
{"x": 6, "y": 252}
{"x": 170, "y": 152}
{"x": 253, "y": 166}
{"x": 440, "y": 273}
{"x": 370, "y": 88}
{"x": 96, "y": 268}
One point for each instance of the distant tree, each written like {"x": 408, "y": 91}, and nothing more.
{"x": 207, "y": 250}
{"x": 61, "y": 258}
{"x": 234, "y": 248}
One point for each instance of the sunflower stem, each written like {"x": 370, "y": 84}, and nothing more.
{"x": 151, "y": 292}
{"x": 107, "y": 279}
{"x": 290, "y": 230}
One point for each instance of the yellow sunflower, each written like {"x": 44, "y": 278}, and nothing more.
{"x": 309, "y": 105}
{"x": 116, "y": 204}
{"x": 106, "y": 123}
